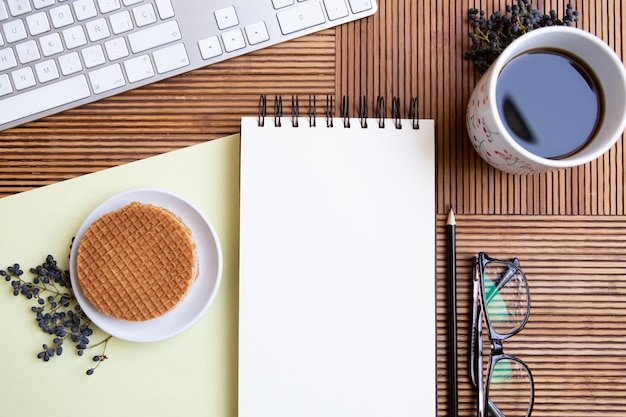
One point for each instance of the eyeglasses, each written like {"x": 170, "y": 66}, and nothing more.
{"x": 502, "y": 299}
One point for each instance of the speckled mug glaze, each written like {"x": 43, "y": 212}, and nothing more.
{"x": 494, "y": 143}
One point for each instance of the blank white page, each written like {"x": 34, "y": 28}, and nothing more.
{"x": 337, "y": 270}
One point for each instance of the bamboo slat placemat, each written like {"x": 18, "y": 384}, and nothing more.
{"x": 407, "y": 49}
{"x": 413, "y": 48}
{"x": 566, "y": 227}
{"x": 575, "y": 340}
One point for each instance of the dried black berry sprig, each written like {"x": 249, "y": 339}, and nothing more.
{"x": 57, "y": 311}
{"x": 99, "y": 358}
{"x": 491, "y": 35}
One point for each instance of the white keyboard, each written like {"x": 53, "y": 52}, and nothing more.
{"x": 60, "y": 54}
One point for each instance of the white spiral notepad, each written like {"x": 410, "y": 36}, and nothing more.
{"x": 337, "y": 269}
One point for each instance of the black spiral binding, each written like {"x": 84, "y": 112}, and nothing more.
{"x": 262, "y": 111}
{"x": 330, "y": 112}
{"x": 295, "y": 111}
{"x": 363, "y": 112}
{"x": 380, "y": 113}
{"x": 395, "y": 112}
{"x": 345, "y": 112}
{"x": 414, "y": 113}
{"x": 278, "y": 110}
{"x": 312, "y": 111}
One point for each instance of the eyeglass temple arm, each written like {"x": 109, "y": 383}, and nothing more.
{"x": 476, "y": 333}
{"x": 476, "y": 360}
{"x": 478, "y": 365}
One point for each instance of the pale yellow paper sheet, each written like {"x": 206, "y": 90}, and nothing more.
{"x": 192, "y": 374}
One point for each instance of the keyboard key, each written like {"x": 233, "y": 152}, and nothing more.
{"x": 70, "y": 63}
{"x": 131, "y": 2}
{"x": 210, "y": 47}
{"x": 107, "y": 78}
{"x": 139, "y": 68}
{"x": 23, "y": 78}
{"x": 7, "y": 59}
{"x": 257, "y": 33}
{"x": 170, "y": 58}
{"x": 233, "y": 40}
{"x": 116, "y": 49}
{"x": 226, "y": 17}
{"x": 301, "y": 17}
{"x": 38, "y": 23}
{"x": 61, "y": 16}
{"x": 336, "y": 9}
{"x": 85, "y": 9}
{"x": 98, "y": 29}
{"x": 279, "y": 4}
{"x": 47, "y": 71}
{"x": 165, "y": 9}
{"x": 154, "y": 36}
{"x": 5, "y": 85}
{"x": 4, "y": 14}
{"x": 14, "y": 30}
{"x": 359, "y": 6}
{"x": 19, "y": 7}
{"x": 93, "y": 56}
{"x": 74, "y": 37}
{"x": 121, "y": 22}
{"x": 107, "y": 6}
{"x": 40, "y": 4}
{"x": 144, "y": 15}
{"x": 51, "y": 44}
{"x": 27, "y": 52}
{"x": 43, "y": 98}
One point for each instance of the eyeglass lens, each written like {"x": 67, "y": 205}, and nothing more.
{"x": 506, "y": 297}
{"x": 509, "y": 389}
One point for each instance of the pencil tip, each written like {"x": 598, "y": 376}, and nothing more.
{"x": 451, "y": 220}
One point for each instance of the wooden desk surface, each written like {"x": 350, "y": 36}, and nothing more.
{"x": 567, "y": 227}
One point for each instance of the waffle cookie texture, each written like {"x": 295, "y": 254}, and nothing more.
{"x": 137, "y": 263}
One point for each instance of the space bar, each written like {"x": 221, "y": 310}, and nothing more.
{"x": 43, "y": 98}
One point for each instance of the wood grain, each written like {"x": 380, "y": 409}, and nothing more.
{"x": 575, "y": 340}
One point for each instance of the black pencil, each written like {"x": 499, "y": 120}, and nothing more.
{"x": 452, "y": 329}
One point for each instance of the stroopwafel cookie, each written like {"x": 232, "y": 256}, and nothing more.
{"x": 136, "y": 263}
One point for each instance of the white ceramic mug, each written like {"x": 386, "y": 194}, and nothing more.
{"x": 485, "y": 125}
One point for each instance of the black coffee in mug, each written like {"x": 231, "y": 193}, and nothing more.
{"x": 548, "y": 102}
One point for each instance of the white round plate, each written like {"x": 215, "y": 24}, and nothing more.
{"x": 200, "y": 295}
